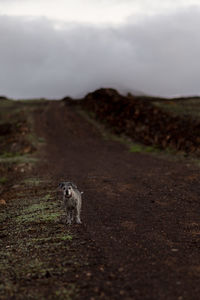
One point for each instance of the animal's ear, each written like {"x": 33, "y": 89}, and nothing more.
{"x": 61, "y": 185}
{"x": 73, "y": 185}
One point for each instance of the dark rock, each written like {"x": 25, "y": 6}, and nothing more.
{"x": 5, "y": 128}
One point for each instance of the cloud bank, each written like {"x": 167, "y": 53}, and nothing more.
{"x": 158, "y": 55}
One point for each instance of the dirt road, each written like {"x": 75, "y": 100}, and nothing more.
{"x": 141, "y": 226}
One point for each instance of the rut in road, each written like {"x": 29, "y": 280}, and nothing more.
{"x": 141, "y": 211}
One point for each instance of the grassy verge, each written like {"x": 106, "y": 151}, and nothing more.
{"x": 181, "y": 107}
{"x": 133, "y": 147}
{"x": 36, "y": 247}
{"x": 18, "y": 142}
{"x": 34, "y": 241}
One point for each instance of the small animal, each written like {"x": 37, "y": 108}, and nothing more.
{"x": 72, "y": 201}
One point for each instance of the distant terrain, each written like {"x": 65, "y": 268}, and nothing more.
{"x": 170, "y": 124}
{"x": 137, "y": 160}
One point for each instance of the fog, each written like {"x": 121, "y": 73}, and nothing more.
{"x": 157, "y": 55}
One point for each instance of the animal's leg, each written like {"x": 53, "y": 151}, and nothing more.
{"x": 68, "y": 220}
{"x": 78, "y": 219}
{"x": 72, "y": 215}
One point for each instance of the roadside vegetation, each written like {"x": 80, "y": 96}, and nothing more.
{"x": 187, "y": 107}
{"x": 33, "y": 236}
{"x": 146, "y": 120}
{"x": 108, "y": 133}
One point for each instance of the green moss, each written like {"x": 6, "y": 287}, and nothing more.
{"x": 40, "y": 206}
{"x": 50, "y": 217}
{"x": 41, "y": 140}
{"x": 35, "y": 207}
{"x": 17, "y": 159}
{"x": 3, "y": 180}
{"x": 35, "y": 268}
{"x": 54, "y": 239}
{"x": 35, "y": 181}
{"x": 47, "y": 197}
{"x": 38, "y": 212}
{"x": 9, "y": 154}
{"x": 37, "y": 218}
{"x": 181, "y": 107}
{"x": 66, "y": 293}
{"x": 32, "y": 181}
{"x": 67, "y": 237}
{"x": 137, "y": 148}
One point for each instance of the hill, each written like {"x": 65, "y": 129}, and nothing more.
{"x": 165, "y": 124}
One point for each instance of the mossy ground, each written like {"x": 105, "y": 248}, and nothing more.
{"x": 36, "y": 246}
{"x": 34, "y": 240}
{"x": 181, "y": 107}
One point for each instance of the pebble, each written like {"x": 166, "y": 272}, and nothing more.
{"x": 16, "y": 186}
{"x": 2, "y": 202}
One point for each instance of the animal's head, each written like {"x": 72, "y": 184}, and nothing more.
{"x": 67, "y": 188}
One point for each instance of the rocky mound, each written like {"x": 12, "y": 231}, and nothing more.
{"x": 140, "y": 119}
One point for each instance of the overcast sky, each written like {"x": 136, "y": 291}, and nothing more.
{"x": 56, "y": 48}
